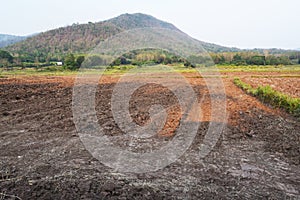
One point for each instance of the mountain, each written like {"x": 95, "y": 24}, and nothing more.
{"x": 82, "y": 38}
{"x": 6, "y": 40}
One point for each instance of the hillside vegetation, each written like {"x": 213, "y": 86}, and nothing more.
{"x": 53, "y": 45}
{"x": 80, "y": 39}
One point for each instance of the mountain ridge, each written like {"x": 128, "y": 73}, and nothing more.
{"x": 139, "y": 20}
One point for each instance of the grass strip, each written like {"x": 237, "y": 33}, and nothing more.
{"x": 273, "y": 97}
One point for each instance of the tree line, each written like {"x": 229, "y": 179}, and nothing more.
{"x": 252, "y": 58}
{"x": 154, "y": 56}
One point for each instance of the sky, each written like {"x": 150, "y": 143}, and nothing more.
{"x": 232, "y": 23}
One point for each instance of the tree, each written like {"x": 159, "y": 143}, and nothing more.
{"x": 70, "y": 60}
{"x": 4, "y": 63}
{"x": 167, "y": 60}
{"x": 79, "y": 61}
{"x": 73, "y": 63}
{"x": 272, "y": 60}
{"x": 284, "y": 60}
{"x": 5, "y": 59}
{"x": 257, "y": 60}
{"x": 222, "y": 59}
{"x": 238, "y": 60}
{"x": 4, "y": 55}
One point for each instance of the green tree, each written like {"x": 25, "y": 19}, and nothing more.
{"x": 237, "y": 57}
{"x": 222, "y": 59}
{"x": 257, "y": 60}
{"x": 284, "y": 60}
{"x": 238, "y": 60}
{"x": 272, "y": 60}
{"x": 167, "y": 60}
{"x": 6, "y": 57}
{"x": 79, "y": 61}
{"x": 73, "y": 63}
{"x": 70, "y": 60}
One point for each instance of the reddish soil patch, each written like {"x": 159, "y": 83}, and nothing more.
{"x": 290, "y": 86}
{"x": 41, "y": 155}
{"x": 285, "y": 82}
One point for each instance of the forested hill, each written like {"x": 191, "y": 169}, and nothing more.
{"x": 81, "y": 38}
{"x": 138, "y": 20}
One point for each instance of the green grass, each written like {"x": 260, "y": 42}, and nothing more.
{"x": 244, "y": 86}
{"x": 256, "y": 68}
{"x": 59, "y": 71}
{"x": 47, "y": 71}
{"x": 275, "y": 98}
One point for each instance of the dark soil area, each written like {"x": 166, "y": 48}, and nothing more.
{"x": 42, "y": 156}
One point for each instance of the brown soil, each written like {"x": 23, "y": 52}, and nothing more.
{"x": 290, "y": 86}
{"x": 42, "y": 156}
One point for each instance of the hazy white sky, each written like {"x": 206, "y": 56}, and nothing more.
{"x": 239, "y": 23}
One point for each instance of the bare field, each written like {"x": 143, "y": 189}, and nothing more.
{"x": 42, "y": 156}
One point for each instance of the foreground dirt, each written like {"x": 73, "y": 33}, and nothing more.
{"x": 42, "y": 156}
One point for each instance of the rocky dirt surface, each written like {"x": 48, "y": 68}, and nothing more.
{"x": 42, "y": 156}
